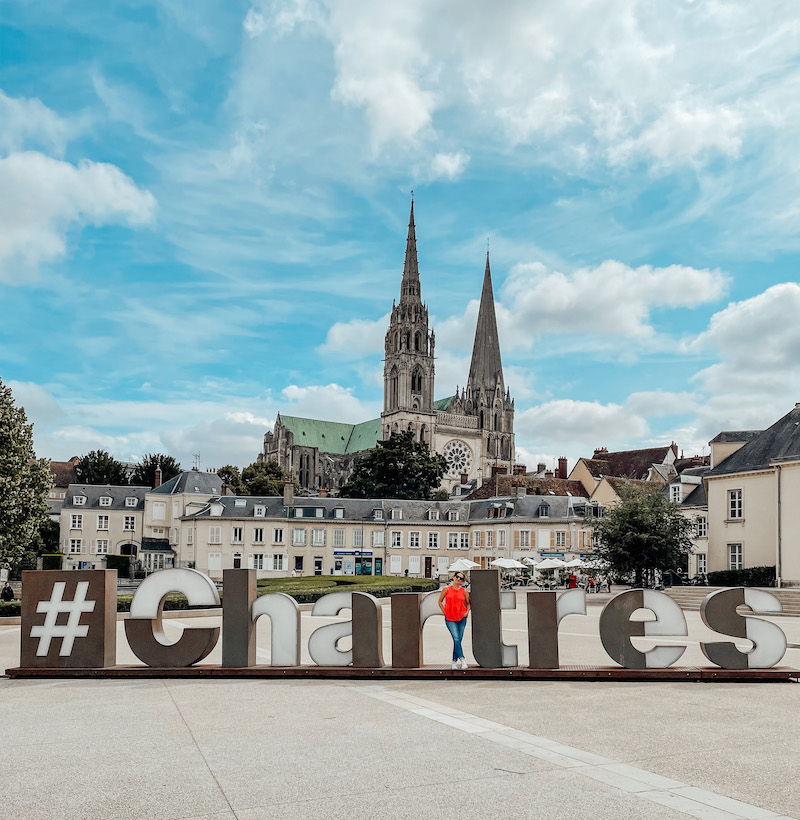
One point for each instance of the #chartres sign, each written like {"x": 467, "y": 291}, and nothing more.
{"x": 69, "y": 621}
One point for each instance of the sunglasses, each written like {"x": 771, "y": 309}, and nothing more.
{"x": 460, "y": 577}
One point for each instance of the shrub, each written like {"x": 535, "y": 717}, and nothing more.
{"x": 10, "y": 609}
{"x": 748, "y": 577}
{"x": 52, "y": 560}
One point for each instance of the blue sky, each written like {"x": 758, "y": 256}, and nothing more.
{"x": 203, "y": 211}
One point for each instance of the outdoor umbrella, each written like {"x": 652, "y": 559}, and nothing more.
{"x": 462, "y": 564}
{"x": 508, "y": 563}
{"x": 531, "y": 562}
{"x": 576, "y": 562}
{"x": 551, "y": 563}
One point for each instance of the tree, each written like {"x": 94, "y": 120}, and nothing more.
{"x": 145, "y": 473}
{"x": 263, "y": 478}
{"x": 100, "y": 467}
{"x": 644, "y": 532}
{"x": 230, "y": 475}
{"x": 24, "y": 482}
{"x": 398, "y": 468}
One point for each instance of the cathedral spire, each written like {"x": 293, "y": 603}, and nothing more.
{"x": 486, "y": 369}
{"x": 410, "y": 288}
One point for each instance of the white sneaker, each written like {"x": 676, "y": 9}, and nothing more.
{"x": 454, "y": 665}
{"x": 463, "y": 662}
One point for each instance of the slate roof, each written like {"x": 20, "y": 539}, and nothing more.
{"x": 529, "y": 507}
{"x": 697, "y": 497}
{"x": 92, "y": 492}
{"x": 780, "y": 442}
{"x": 191, "y": 481}
{"x": 333, "y": 436}
{"x": 486, "y": 366}
{"x": 735, "y": 436}
{"x": 503, "y": 485}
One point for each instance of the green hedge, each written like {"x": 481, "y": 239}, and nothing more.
{"x": 52, "y": 560}
{"x": 9, "y": 609}
{"x": 749, "y": 577}
{"x": 311, "y": 589}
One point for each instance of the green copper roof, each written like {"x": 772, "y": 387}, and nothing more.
{"x": 333, "y": 436}
{"x": 442, "y": 404}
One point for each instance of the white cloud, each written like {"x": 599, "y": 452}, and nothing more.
{"x": 37, "y": 402}
{"x": 448, "y": 166}
{"x": 356, "y": 338}
{"x": 28, "y": 121}
{"x": 330, "y": 401}
{"x": 254, "y": 23}
{"x": 42, "y": 198}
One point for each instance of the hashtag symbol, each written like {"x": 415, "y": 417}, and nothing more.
{"x": 72, "y": 629}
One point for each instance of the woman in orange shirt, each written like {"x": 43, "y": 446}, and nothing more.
{"x": 454, "y": 603}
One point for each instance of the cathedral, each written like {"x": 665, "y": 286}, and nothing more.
{"x": 473, "y": 429}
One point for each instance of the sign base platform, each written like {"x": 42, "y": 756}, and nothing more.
{"x": 775, "y": 674}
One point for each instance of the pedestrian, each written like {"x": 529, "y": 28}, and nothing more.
{"x": 294, "y": 573}
{"x": 573, "y": 581}
{"x": 8, "y": 592}
{"x": 455, "y": 606}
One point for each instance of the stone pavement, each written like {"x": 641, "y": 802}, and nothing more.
{"x": 402, "y": 749}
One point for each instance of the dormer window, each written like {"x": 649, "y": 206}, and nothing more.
{"x": 259, "y": 511}
{"x": 79, "y": 500}
{"x": 452, "y": 515}
{"x": 240, "y": 502}
{"x": 216, "y": 509}
{"x": 378, "y": 515}
{"x": 544, "y": 511}
{"x": 338, "y": 512}
{"x": 105, "y": 500}
{"x": 298, "y": 512}
{"x": 319, "y": 512}
{"x": 433, "y": 515}
{"x": 397, "y": 514}
{"x": 131, "y": 501}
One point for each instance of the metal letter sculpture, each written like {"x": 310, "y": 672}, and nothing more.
{"x": 545, "y": 613}
{"x": 144, "y": 629}
{"x": 718, "y": 612}
{"x": 487, "y": 628}
{"x": 238, "y": 629}
{"x": 616, "y": 629}
{"x": 88, "y": 636}
{"x": 284, "y": 616}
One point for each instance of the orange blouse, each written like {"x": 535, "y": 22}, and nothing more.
{"x": 455, "y": 603}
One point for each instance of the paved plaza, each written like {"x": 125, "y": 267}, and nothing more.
{"x": 449, "y": 748}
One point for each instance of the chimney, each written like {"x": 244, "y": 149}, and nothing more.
{"x": 519, "y": 469}
{"x": 288, "y": 492}
{"x": 499, "y": 469}
{"x": 548, "y": 474}
{"x": 562, "y": 468}
{"x": 540, "y": 467}
{"x": 323, "y": 492}
{"x": 520, "y": 490}
{"x": 464, "y": 478}
{"x": 600, "y": 452}
{"x": 158, "y": 476}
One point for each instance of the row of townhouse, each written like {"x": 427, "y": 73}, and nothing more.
{"x": 187, "y": 522}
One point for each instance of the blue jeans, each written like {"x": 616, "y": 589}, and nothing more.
{"x": 457, "y": 631}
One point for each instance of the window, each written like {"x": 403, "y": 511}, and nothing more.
{"x": 452, "y": 540}
{"x": 76, "y": 522}
{"x": 378, "y": 538}
{"x": 397, "y": 514}
{"x": 214, "y": 561}
{"x": 318, "y": 538}
{"x": 675, "y": 493}
{"x": 102, "y": 522}
{"x": 240, "y": 502}
{"x": 131, "y": 501}
{"x": 414, "y": 539}
{"x": 75, "y": 545}
{"x": 105, "y": 500}
{"x": 452, "y": 515}
{"x": 129, "y": 523}
{"x": 501, "y": 538}
{"x": 476, "y": 538}
{"x": 237, "y": 535}
{"x": 433, "y": 540}
{"x": 259, "y": 511}
{"x": 463, "y": 538}
{"x": 160, "y": 510}
{"x": 299, "y": 537}
{"x": 298, "y": 563}
{"x": 561, "y": 538}
{"x": 413, "y": 564}
{"x": 377, "y": 515}
{"x": 433, "y": 515}
{"x": 735, "y": 556}
{"x": 277, "y": 561}
{"x": 215, "y": 535}
{"x": 396, "y": 539}
{"x": 101, "y": 546}
{"x": 338, "y": 538}
{"x": 79, "y": 500}
{"x": 338, "y": 512}
{"x": 358, "y": 538}
{"x": 396, "y": 564}
{"x": 544, "y": 511}
{"x": 489, "y": 538}
{"x": 158, "y": 530}
{"x": 701, "y": 527}
{"x": 258, "y": 535}
{"x": 298, "y": 512}
{"x": 257, "y": 561}
{"x": 701, "y": 562}
{"x": 189, "y": 537}
{"x": 525, "y": 538}
{"x": 734, "y": 504}
{"x": 277, "y": 535}
{"x": 319, "y": 512}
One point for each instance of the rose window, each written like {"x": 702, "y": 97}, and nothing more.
{"x": 459, "y": 457}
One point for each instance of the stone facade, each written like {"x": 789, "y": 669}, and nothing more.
{"x": 473, "y": 428}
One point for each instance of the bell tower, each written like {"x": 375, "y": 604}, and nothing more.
{"x": 408, "y": 370}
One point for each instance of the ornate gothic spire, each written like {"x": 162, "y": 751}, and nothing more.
{"x": 486, "y": 368}
{"x": 410, "y": 289}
